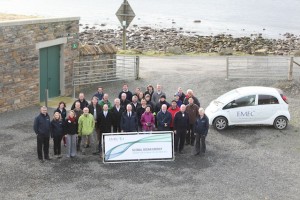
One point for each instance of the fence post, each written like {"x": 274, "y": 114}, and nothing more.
{"x": 290, "y": 73}
{"x": 137, "y": 67}
{"x": 227, "y": 68}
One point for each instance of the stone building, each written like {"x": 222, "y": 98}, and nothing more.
{"x": 36, "y": 55}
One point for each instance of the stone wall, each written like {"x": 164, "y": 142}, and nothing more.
{"x": 19, "y": 57}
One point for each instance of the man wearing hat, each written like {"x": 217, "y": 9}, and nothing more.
{"x": 162, "y": 100}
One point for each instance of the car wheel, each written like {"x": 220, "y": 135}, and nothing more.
{"x": 280, "y": 123}
{"x": 220, "y": 123}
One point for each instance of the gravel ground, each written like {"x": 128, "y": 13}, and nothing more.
{"x": 240, "y": 163}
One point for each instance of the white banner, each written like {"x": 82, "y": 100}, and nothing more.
{"x": 123, "y": 147}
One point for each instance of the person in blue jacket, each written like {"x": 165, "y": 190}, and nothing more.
{"x": 57, "y": 132}
{"x": 41, "y": 128}
{"x": 201, "y": 127}
{"x": 163, "y": 119}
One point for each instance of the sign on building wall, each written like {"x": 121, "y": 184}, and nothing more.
{"x": 135, "y": 147}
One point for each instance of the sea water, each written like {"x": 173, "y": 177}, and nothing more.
{"x": 272, "y": 18}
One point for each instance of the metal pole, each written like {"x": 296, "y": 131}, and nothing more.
{"x": 124, "y": 25}
{"x": 124, "y": 38}
{"x": 227, "y": 68}
{"x": 137, "y": 67}
{"x": 290, "y": 74}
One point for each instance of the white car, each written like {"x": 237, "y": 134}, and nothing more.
{"x": 249, "y": 106}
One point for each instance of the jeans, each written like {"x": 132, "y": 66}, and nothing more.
{"x": 71, "y": 145}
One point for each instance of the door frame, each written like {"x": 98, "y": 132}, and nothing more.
{"x": 61, "y": 42}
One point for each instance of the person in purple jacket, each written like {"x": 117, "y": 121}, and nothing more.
{"x": 147, "y": 120}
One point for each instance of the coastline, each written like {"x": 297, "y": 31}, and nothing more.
{"x": 143, "y": 39}
{"x": 147, "y": 40}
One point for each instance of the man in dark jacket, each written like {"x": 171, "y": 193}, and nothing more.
{"x": 124, "y": 101}
{"x": 163, "y": 118}
{"x": 82, "y": 101}
{"x": 162, "y": 100}
{"x": 42, "y": 130}
{"x": 105, "y": 123}
{"x": 190, "y": 94}
{"x": 201, "y": 129}
{"x": 127, "y": 92}
{"x": 134, "y": 103}
{"x": 95, "y": 109}
{"x": 99, "y": 94}
{"x": 192, "y": 111}
{"x": 129, "y": 120}
{"x": 117, "y": 112}
{"x": 181, "y": 125}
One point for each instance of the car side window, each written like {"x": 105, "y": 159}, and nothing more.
{"x": 241, "y": 102}
{"x": 267, "y": 99}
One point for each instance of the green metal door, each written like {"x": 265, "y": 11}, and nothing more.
{"x": 50, "y": 72}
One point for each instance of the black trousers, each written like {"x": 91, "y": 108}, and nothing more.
{"x": 190, "y": 137}
{"x": 117, "y": 129}
{"x": 42, "y": 146}
{"x": 179, "y": 140}
{"x": 57, "y": 145}
{"x": 78, "y": 142}
{"x": 200, "y": 139}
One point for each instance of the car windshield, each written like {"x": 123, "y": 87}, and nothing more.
{"x": 227, "y": 96}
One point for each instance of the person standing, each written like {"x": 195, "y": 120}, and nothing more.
{"x": 124, "y": 101}
{"x": 95, "y": 109}
{"x": 157, "y": 94}
{"x": 140, "y": 110}
{"x": 63, "y": 112}
{"x": 105, "y": 122}
{"x": 147, "y": 120}
{"x": 105, "y": 101}
{"x": 78, "y": 112}
{"x": 180, "y": 94}
{"x": 81, "y": 100}
{"x": 134, "y": 103}
{"x": 150, "y": 91}
{"x": 117, "y": 112}
{"x": 129, "y": 120}
{"x": 192, "y": 111}
{"x": 127, "y": 92}
{"x": 71, "y": 130}
{"x": 164, "y": 119}
{"x": 201, "y": 129}
{"x": 41, "y": 128}
{"x": 173, "y": 109}
{"x": 99, "y": 94}
{"x": 57, "y": 132}
{"x": 181, "y": 125}
{"x": 86, "y": 125}
{"x": 190, "y": 94}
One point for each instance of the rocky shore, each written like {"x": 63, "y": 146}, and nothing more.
{"x": 178, "y": 41}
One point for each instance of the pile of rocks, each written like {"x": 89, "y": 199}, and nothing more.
{"x": 177, "y": 41}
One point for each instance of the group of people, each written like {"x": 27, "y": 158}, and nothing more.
{"x": 130, "y": 112}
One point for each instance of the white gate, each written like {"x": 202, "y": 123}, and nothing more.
{"x": 91, "y": 72}
{"x": 261, "y": 67}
